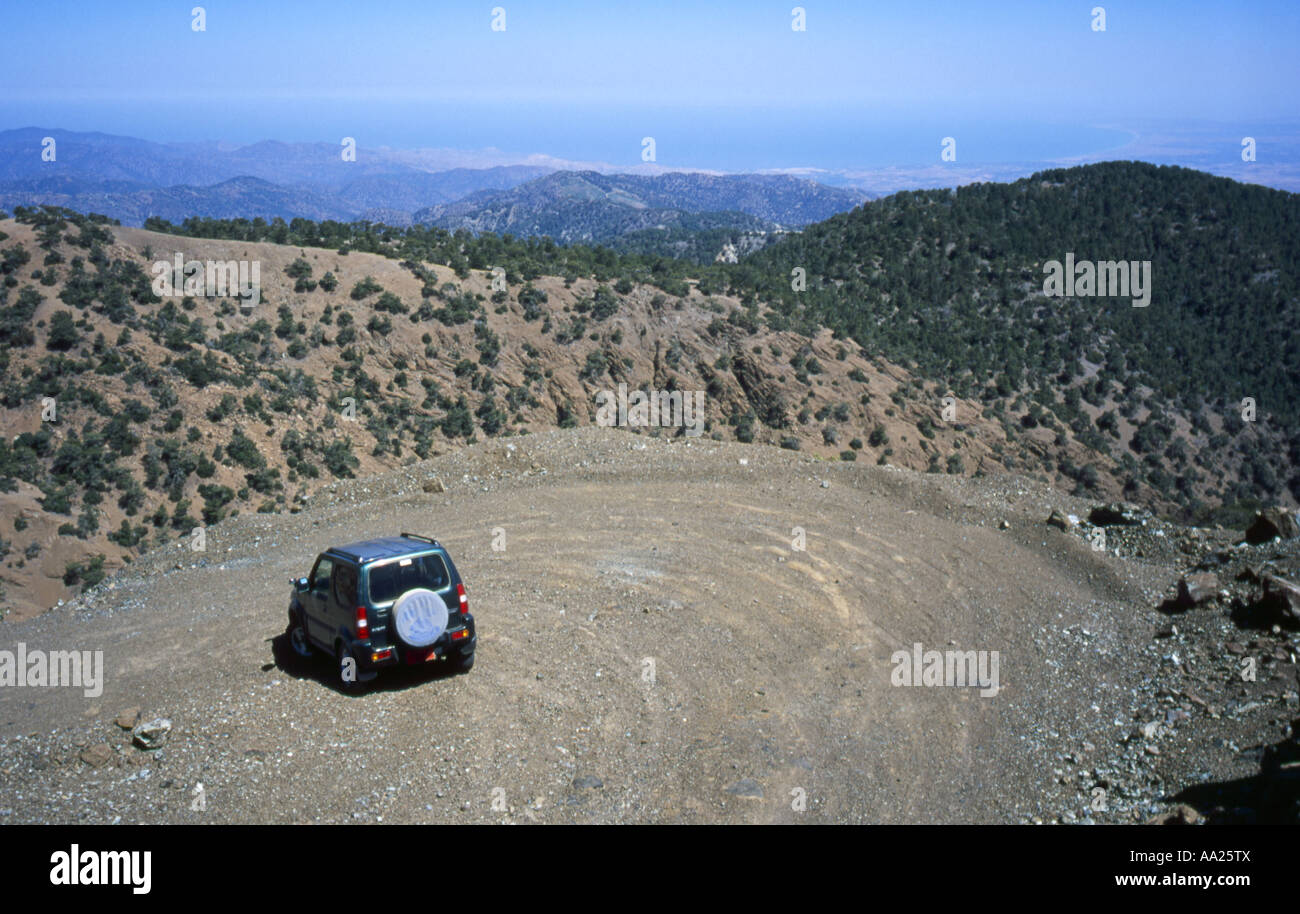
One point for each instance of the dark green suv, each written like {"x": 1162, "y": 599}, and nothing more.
{"x": 383, "y": 602}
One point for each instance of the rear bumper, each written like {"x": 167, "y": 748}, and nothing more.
{"x": 458, "y": 641}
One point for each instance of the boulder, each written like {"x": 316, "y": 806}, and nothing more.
{"x": 151, "y": 735}
{"x": 1182, "y": 814}
{"x": 1059, "y": 520}
{"x": 128, "y": 718}
{"x": 1270, "y": 523}
{"x": 1281, "y": 599}
{"x": 1194, "y": 589}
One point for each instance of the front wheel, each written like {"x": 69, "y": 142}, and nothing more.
{"x": 298, "y": 637}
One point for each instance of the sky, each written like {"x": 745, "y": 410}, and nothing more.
{"x": 724, "y": 85}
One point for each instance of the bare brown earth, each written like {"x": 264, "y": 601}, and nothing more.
{"x": 626, "y": 553}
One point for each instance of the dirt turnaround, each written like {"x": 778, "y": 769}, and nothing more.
{"x": 670, "y": 631}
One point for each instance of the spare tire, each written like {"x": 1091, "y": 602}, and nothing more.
{"x": 420, "y": 617}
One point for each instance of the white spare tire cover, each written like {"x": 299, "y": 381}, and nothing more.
{"x": 420, "y": 617}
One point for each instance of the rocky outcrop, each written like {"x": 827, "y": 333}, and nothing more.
{"x": 1272, "y": 523}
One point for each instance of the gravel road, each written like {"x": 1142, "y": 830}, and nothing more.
{"x": 654, "y": 647}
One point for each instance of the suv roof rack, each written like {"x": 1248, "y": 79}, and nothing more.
{"x": 417, "y": 536}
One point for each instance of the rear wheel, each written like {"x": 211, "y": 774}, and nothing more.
{"x": 349, "y": 676}
{"x": 464, "y": 663}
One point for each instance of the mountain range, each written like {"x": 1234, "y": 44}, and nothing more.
{"x": 591, "y": 207}
{"x": 132, "y": 180}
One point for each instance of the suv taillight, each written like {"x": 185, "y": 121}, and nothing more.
{"x": 363, "y": 626}
{"x": 464, "y": 600}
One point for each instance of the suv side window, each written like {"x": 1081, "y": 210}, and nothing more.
{"x": 320, "y": 577}
{"x": 345, "y": 586}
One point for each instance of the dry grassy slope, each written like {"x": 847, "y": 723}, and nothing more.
{"x": 646, "y": 329}
{"x": 771, "y": 665}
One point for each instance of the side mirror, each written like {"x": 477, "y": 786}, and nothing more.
{"x": 301, "y": 584}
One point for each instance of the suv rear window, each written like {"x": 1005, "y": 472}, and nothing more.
{"x": 392, "y": 579}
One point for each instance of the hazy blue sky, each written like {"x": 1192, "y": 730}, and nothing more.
{"x": 724, "y": 85}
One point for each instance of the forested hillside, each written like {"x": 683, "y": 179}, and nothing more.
{"x": 951, "y": 282}
{"x": 372, "y": 346}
